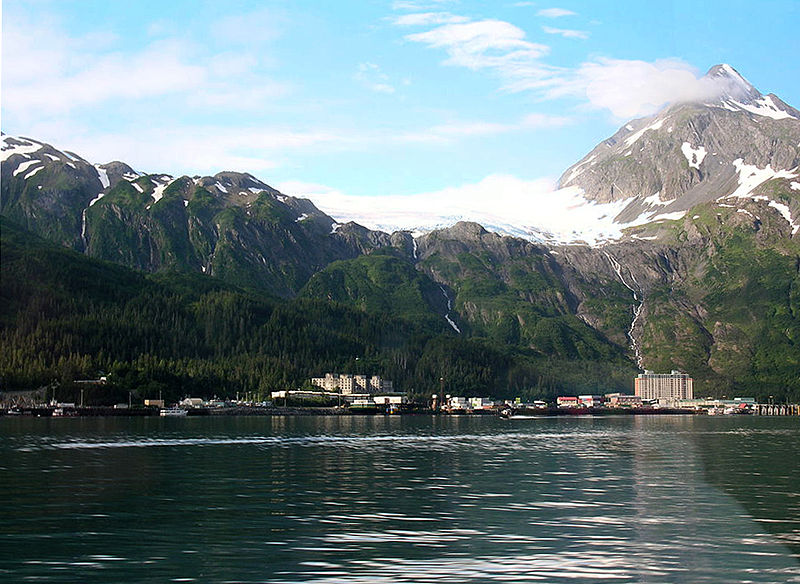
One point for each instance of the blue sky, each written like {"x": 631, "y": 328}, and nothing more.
{"x": 370, "y": 98}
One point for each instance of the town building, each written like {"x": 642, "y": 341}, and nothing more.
{"x": 192, "y": 402}
{"x": 457, "y": 403}
{"x": 621, "y": 400}
{"x": 591, "y": 401}
{"x": 664, "y": 387}
{"x": 349, "y": 384}
{"x": 567, "y": 401}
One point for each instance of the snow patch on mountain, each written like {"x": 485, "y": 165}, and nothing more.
{"x": 31, "y": 173}
{"x": 764, "y": 106}
{"x": 582, "y": 166}
{"x": 694, "y": 156}
{"x": 158, "y": 192}
{"x": 787, "y": 214}
{"x": 102, "y": 175}
{"x": 751, "y": 176}
{"x": 22, "y": 146}
{"x": 654, "y": 200}
{"x": 24, "y": 166}
{"x": 630, "y": 140}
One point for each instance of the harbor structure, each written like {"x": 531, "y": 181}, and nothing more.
{"x": 664, "y": 387}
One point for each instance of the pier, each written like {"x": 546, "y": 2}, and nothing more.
{"x": 776, "y": 409}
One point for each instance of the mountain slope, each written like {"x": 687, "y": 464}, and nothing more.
{"x": 704, "y": 277}
{"x": 230, "y": 225}
{"x": 64, "y": 316}
{"x": 697, "y": 152}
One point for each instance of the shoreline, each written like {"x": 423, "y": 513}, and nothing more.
{"x": 49, "y": 411}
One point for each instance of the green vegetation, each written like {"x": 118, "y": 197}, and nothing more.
{"x": 67, "y": 317}
{"x": 734, "y": 322}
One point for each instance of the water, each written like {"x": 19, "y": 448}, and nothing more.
{"x": 400, "y": 499}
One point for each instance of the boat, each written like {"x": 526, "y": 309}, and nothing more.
{"x": 525, "y": 413}
{"x": 173, "y": 412}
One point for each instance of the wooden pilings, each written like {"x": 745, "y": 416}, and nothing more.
{"x": 776, "y": 409}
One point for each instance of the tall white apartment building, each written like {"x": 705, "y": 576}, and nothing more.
{"x": 664, "y": 386}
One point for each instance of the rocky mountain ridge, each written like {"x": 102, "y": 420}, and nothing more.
{"x": 719, "y": 149}
{"x": 230, "y": 225}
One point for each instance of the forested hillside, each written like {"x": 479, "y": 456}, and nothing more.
{"x": 67, "y": 317}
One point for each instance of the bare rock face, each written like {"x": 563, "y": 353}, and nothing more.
{"x": 691, "y": 153}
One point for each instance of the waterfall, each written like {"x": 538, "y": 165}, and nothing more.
{"x": 637, "y": 307}
{"x": 449, "y": 308}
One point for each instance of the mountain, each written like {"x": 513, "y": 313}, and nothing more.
{"x": 702, "y": 275}
{"x": 65, "y": 316}
{"x": 720, "y": 150}
{"x": 230, "y": 225}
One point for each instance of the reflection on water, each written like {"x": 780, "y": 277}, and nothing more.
{"x": 398, "y": 499}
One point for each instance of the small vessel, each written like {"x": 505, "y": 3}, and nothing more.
{"x": 173, "y": 412}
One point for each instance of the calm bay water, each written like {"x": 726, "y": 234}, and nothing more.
{"x": 400, "y": 499}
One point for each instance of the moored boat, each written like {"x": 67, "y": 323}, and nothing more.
{"x": 173, "y": 412}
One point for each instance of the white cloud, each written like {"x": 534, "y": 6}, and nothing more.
{"x": 419, "y": 5}
{"x": 637, "y": 88}
{"x": 459, "y": 130}
{"x": 428, "y": 18}
{"x": 370, "y": 76}
{"x": 532, "y": 121}
{"x": 256, "y": 27}
{"x": 231, "y": 64}
{"x": 555, "y": 12}
{"x": 627, "y": 88}
{"x": 160, "y": 69}
{"x": 47, "y": 73}
{"x": 566, "y": 33}
{"x": 239, "y": 97}
{"x": 493, "y": 45}
{"x": 196, "y": 150}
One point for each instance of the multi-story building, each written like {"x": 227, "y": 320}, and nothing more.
{"x": 664, "y": 387}
{"x": 591, "y": 401}
{"x": 622, "y": 400}
{"x": 567, "y": 401}
{"x": 330, "y": 382}
{"x": 380, "y": 385}
{"x": 349, "y": 384}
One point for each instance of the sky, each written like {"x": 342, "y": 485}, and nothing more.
{"x": 350, "y": 103}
